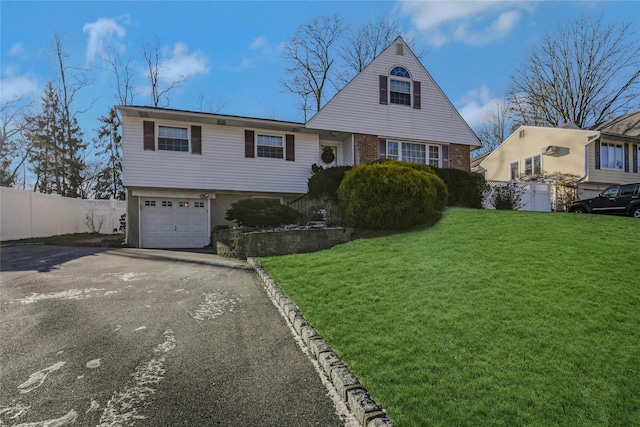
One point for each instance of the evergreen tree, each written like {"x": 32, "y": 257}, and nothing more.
{"x": 56, "y": 148}
{"x": 109, "y": 179}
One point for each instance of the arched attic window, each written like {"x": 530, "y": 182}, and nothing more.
{"x": 401, "y": 88}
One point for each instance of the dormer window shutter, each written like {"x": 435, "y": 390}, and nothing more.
{"x": 416, "y": 95}
{"x": 249, "y": 143}
{"x": 290, "y": 147}
{"x": 149, "y": 135}
{"x": 383, "y": 90}
{"x": 597, "y": 154}
{"x": 196, "y": 139}
{"x": 382, "y": 148}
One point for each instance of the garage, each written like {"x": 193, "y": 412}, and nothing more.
{"x": 174, "y": 223}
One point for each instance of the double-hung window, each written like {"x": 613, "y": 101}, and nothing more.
{"x": 513, "y": 171}
{"x": 392, "y": 150}
{"x": 270, "y": 146}
{"x": 533, "y": 165}
{"x": 173, "y": 138}
{"x": 434, "y": 156}
{"x": 400, "y": 86}
{"x": 611, "y": 156}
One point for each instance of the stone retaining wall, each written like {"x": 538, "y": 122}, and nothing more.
{"x": 356, "y": 396}
{"x": 236, "y": 243}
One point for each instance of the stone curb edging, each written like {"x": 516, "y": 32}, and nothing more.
{"x": 352, "y": 392}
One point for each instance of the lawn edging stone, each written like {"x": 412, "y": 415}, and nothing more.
{"x": 357, "y": 398}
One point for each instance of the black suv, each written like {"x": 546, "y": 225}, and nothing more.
{"x": 623, "y": 199}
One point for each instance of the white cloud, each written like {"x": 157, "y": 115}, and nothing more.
{"x": 179, "y": 63}
{"x": 16, "y": 49}
{"x": 498, "y": 29}
{"x": 102, "y": 33}
{"x": 476, "y": 106}
{"x": 471, "y": 22}
{"x": 16, "y": 86}
{"x": 259, "y": 43}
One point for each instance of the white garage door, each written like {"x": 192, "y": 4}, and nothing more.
{"x": 174, "y": 223}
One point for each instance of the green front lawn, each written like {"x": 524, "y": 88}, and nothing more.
{"x": 487, "y": 318}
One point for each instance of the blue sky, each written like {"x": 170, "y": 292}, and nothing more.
{"x": 232, "y": 50}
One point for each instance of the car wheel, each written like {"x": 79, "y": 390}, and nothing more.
{"x": 579, "y": 209}
{"x": 636, "y": 212}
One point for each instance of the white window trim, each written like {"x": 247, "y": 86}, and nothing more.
{"x": 401, "y": 79}
{"x": 282, "y": 138}
{"x": 426, "y": 148}
{"x": 166, "y": 125}
{"x": 533, "y": 165}
{"x": 517, "y": 163}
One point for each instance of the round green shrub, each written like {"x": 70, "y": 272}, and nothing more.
{"x": 261, "y": 213}
{"x": 391, "y": 195}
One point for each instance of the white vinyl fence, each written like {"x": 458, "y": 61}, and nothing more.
{"x": 535, "y": 196}
{"x": 25, "y": 214}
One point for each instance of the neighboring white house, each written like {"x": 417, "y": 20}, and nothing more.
{"x": 597, "y": 157}
{"x": 184, "y": 169}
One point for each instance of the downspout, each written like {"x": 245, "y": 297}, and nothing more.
{"x": 126, "y": 219}
{"x": 590, "y": 138}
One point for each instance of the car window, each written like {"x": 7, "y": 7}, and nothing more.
{"x": 627, "y": 190}
{"x": 610, "y": 192}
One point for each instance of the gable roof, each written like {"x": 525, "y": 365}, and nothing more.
{"x": 625, "y": 125}
{"x": 357, "y": 108}
{"x": 540, "y": 130}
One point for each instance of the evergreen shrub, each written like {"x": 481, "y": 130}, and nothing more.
{"x": 324, "y": 183}
{"x": 466, "y": 189}
{"x": 391, "y": 195}
{"x": 261, "y": 213}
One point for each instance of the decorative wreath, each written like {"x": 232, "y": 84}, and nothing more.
{"x": 328, "y": 156}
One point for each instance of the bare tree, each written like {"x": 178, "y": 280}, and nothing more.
{"x": 69, "y": 82}
{"x": 310, "y": 54}
{"x": 209, "y": 103}
{"x": 13, "y": 150}
{"x": 161, "y": 86}
{"x": 123, "y": 71}
{"x": 364, "y": 45}
{"x": 586, "y": 72}
{"x": 497, "y": 127}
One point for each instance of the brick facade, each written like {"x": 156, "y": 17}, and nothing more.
{"x": 459, "y": 157}
{"x": 366, "y": 151}
{"x": 366, "y": 148}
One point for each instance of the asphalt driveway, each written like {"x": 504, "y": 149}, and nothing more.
{"x": 126, "y": 337}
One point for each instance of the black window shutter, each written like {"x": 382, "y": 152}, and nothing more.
{"x": 290, "y": 149}
{"x": 382, "y": 148}
{"x": 636, "y": 167}
{"x": 249, "y": 143}
{"x": 597, "y": 154}
{"x": 383, "y": 90}
{"x": 416, "y": 95}
{"x": 196, "y": 139}
{"x": 149, "y": 130}
{"x": 626, "y": 157}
